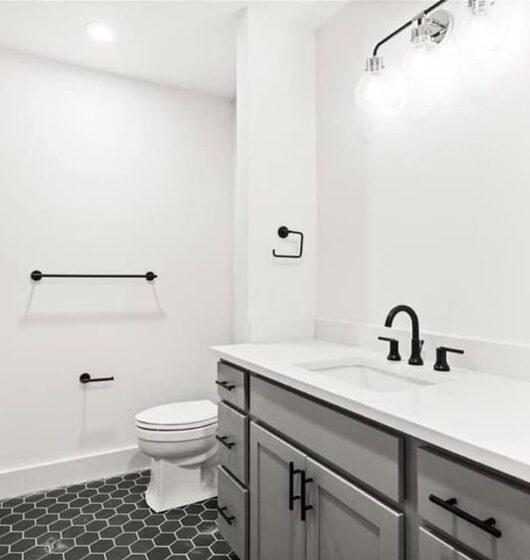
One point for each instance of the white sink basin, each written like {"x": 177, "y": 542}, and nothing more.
{"x": 373, "y": 376}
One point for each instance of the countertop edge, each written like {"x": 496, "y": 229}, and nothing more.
{"x": 500, "y": 463}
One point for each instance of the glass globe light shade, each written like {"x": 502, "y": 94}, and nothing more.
{"x": 433, "y": 75}
{"x": 484, "y": 33}
{"x": 380, "y": 92}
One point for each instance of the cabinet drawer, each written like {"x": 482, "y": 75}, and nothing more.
{"x": 365, "y": 452}
{"x": 232, "y": 434}
{"x": 233, "y": 513}
{"x": 232, "y": 385}
{"x": 434, "y": 548}
{"x": 455, "y": 497}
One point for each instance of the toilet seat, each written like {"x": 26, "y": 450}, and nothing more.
{"x": 169, "y": 436}
{"x": 179, "y": 416}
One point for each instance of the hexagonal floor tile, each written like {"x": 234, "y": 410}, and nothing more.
{"x": 107, "y": 520}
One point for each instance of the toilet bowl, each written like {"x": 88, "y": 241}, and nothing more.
{"x": 180, "y": 439}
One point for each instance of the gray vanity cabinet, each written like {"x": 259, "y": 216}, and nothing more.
{"x": 281, "y": 449}
{"x": 277, "y": 533}
{"x": 233, "y": 509}
{"x": 341, "y": 522}
{"x": 470, "y": 506}
{"x": 434, "y": 548}
{"x": 346, "y": 523}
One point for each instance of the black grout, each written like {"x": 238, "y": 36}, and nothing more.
{"x": 107, "y": 520}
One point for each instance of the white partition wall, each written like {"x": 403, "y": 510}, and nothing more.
{"x": 276, "y": 177}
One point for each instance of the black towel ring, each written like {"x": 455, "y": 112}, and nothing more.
{"x": 283, "y": 232}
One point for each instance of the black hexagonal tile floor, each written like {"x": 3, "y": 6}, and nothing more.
{"x": 107, "y": 520}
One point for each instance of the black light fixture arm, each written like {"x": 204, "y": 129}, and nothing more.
{"x": 406, "y": 26}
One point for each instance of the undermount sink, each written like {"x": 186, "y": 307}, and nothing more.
{"x": 373, "y": 376}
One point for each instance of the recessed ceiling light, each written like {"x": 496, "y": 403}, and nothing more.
{"x": 100, "y": 32}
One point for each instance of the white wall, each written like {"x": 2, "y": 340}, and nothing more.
{"x": 429, "y": 205}
{"x": 109, "y": 175}
{"x": 276, "y": 177}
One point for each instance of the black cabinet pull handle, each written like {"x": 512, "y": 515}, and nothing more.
{"x": 225, "y": 385}
{"x": 222, "y": 440}
{"x": 292, "y": 497}
{"x": 305, "y": 507}
{"x": 223, "y": 512}
{"x": 488, "y": 525}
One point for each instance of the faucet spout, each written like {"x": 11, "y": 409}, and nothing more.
{"x": 416, "y": 344}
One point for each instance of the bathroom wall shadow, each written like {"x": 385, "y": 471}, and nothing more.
{"x": 60, "y": 319}
{"x": 29, "y": 319}
{"x": 89, "y": 436}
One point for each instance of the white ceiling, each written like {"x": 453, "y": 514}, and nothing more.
{"x": 181, "y": 43}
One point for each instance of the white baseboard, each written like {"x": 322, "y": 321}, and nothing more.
{"x": 71, "y": 471}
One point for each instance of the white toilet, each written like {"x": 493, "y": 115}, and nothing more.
{"x": 180, "y": 439}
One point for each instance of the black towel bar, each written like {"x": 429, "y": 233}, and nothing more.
{"x": 37, "y": 275}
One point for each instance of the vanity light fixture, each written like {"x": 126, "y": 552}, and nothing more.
{"x": 480, "y": 7}
{"x": 100, "y": 32}
{"x": 429, "y": 29}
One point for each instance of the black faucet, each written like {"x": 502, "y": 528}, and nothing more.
{"x": 415, "y": 344}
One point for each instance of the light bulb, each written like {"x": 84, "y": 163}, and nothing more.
{"x": 433, "y": 75}
{"x": 484, "y": 31}
{"x": 100, "y": 32}
{"x": 480, "y": 39}
{"x": 379, "y": 90}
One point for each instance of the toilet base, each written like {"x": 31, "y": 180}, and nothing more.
{"x": 175, "y": 484}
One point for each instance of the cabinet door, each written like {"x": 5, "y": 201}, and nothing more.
{"x": 275, "y": 527}
{"x": 434, "y": 548}
{"x": 345, "y": 523}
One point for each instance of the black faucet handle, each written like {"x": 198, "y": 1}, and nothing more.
{"x": 453, "y": 350}
{"x": 441, "y": 357}
{"x": 393, "y": 354}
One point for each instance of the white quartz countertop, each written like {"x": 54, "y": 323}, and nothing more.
{"x": 482, "y": 417}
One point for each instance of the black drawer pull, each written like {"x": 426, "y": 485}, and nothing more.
{"x": 222, "y": 440}
{"x": 225, "y": 385}
{"x": 305, "y": 507}
{"x": 224, "y": 514}
{"x": 292, "y": 497}
{"x": 488, "y": 525}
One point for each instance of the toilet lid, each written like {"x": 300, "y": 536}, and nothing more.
{"x": 178, "y": 416}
